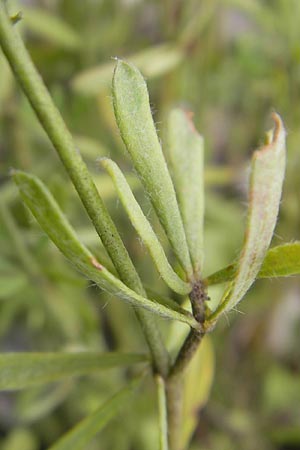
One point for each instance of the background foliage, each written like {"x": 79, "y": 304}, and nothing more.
{"x": 230, "y": 62}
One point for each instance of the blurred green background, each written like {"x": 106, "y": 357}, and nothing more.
{"x": 231, "y": 62}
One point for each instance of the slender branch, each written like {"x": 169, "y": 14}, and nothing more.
{"x": 174, "y": 393}
{"x": 198, "y": 296}
{"x": 186, "y": 353}
{"x": 53, "y": 124}
{"x": 162, "y": 409}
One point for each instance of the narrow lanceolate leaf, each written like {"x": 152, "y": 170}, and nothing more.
{"x": 22, "y": 370}
{"x": 280, "y": 261}
{"x": 267, "y": 174}
{"x": 153, "y": 62}
{"x": 52, "y": 28}
{"x": 144, "y": 229}
{"x": 134, "y": 119}
{"x": 79, "y": 437}
{"x": 48, "y": 214}
{"x": 186, "y": 157}
{"x": 221, "y": 276}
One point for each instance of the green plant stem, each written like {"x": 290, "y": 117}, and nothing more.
{"x": 174, "y": 381}
{"x": 174, "y": 386}
{"x": 53, "y": 124}
{"x": 186, "y": 353}
{"x": 174, "y": 411}
{"x": 162, "y": 410}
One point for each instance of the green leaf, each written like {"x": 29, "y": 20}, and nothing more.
{"x": 164, "y": 300}
{"x": 48, "y": 214}
{"x": 21, "y": 370}
{"x": 144, "y": 229}
{"x": 52, "y": 28}
{"x": 103, "y": 182}
{"x": 280, "y": 261}
{"x": 12, "y": 284}
{"x": 153, "y": 62}
{"x": 186, "y": 157}
{"x": 267, "y": 175}
{"x": 162, "y": 410}
{"x": 89, "y": 147}
{"x": 35, "y": 403}
{"x": 20, "y": 438}
{"x": 79, "y": 436}
{"x": 134, "y": 119}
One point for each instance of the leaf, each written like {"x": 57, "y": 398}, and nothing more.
{"x": 162, "y": 410}
{"x": 103, "y": 183}
{"x": 163, "y": 299}
{"x": 21, "y": 370}
{"x": 267, "y": 174}
{"x": 79, "y": 436}
{"x": 144, "y": 229}
{"x": 197, "y": 386}
{"x": 134, "y": 119}
{"x": 221, "y": 276}
{"x": 89, "y": 147}
{"x": 186, "y": 157}
{"x": 12, "y": 284}
{"x": 52, "y": 28}
{"x": 153, "y": 62}
{"x": 20, "y": 438}
{"x": 48, "y": 214}
{"x": 280, "y": 261}
{"x": 35, "y": 403}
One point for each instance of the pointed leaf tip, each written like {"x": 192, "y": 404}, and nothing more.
{"x": 135, "y": 122}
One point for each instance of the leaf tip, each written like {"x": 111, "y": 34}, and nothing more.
{"x": 124, "y": 70}
{"x": 279, "y": 127}
{"x": 18, "y": 176}
{"x": 274, "y": 138}
{"x": 102, "y": 161}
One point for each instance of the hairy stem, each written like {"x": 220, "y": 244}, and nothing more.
{"x": 52, "y": 122}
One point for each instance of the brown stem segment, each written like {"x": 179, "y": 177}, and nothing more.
{"x": 198, "y": 296}
{"x": 186, "y": 353}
